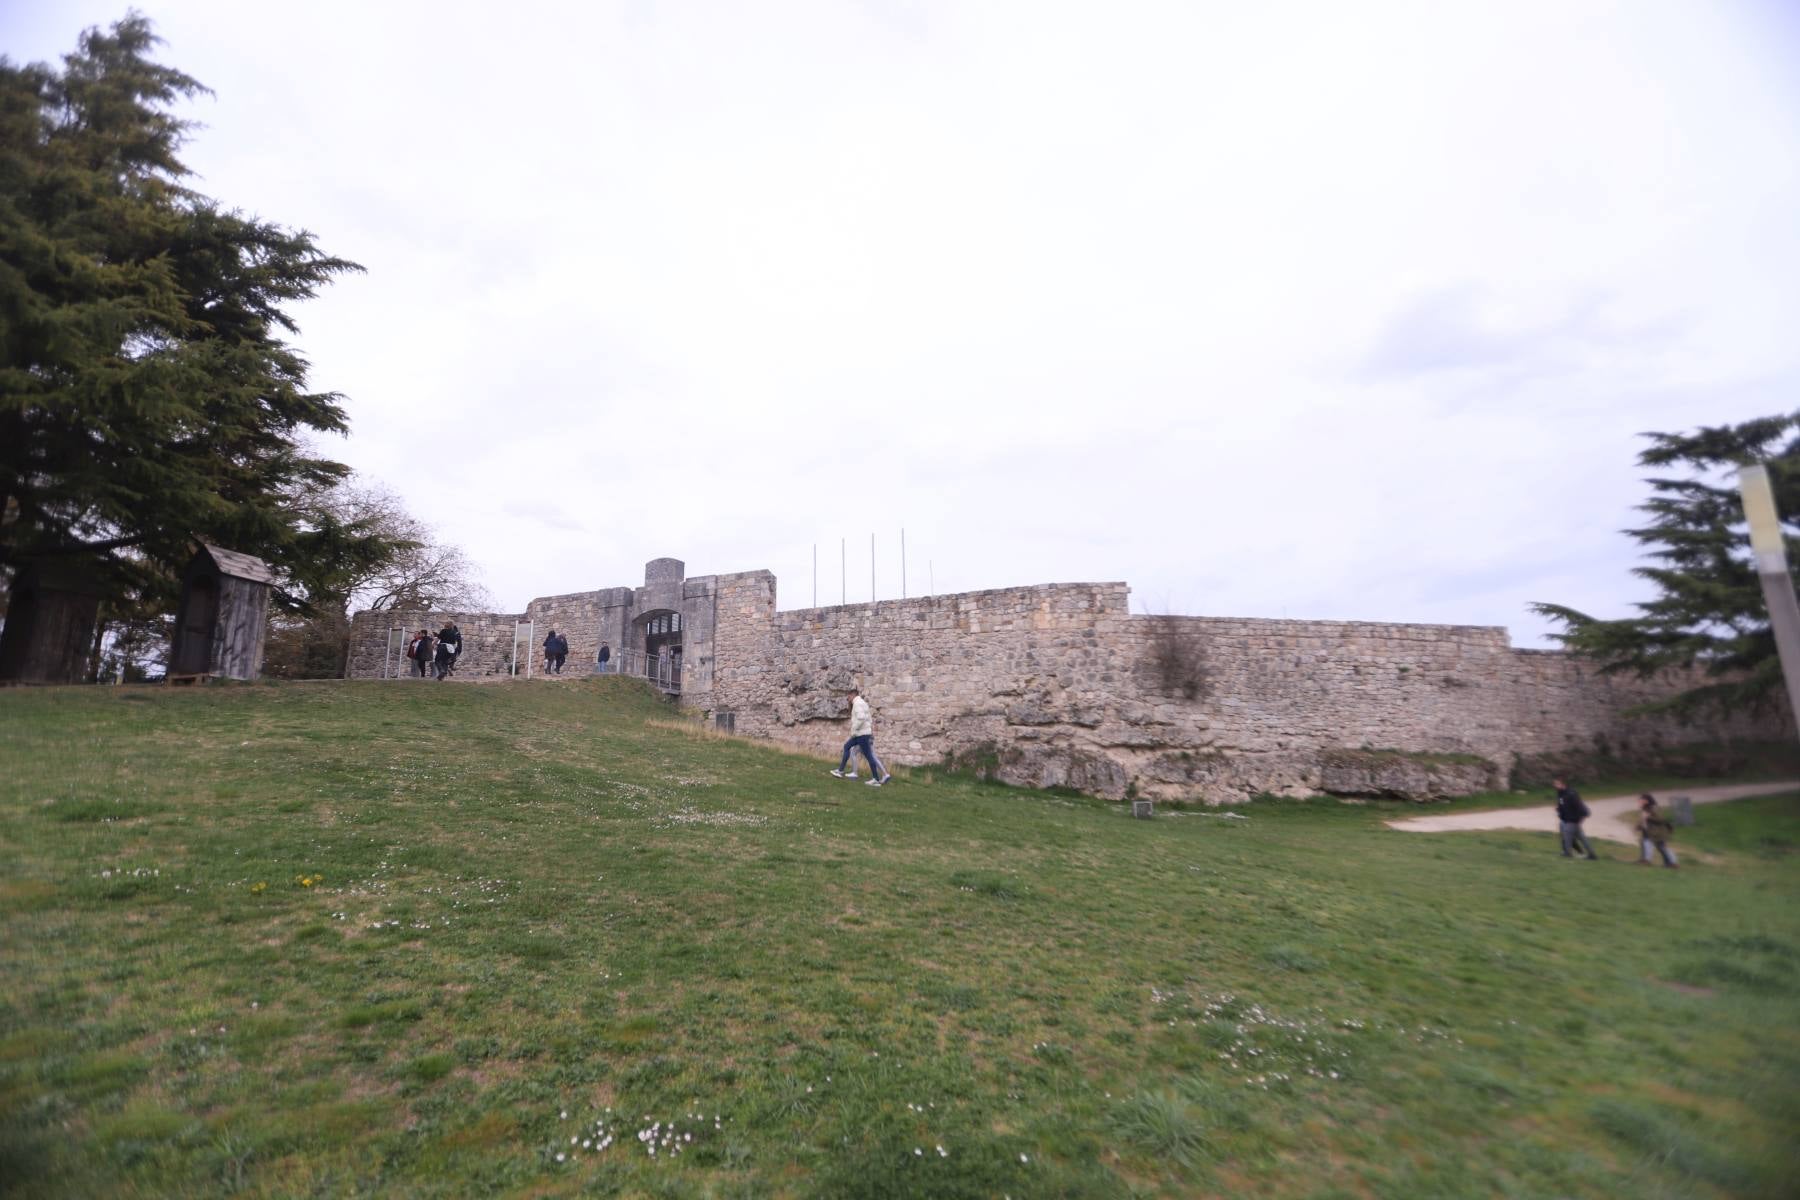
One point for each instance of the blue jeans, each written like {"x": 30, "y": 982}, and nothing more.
{"x": 866, "y": 744}
{"x": 1572, "y": 837}
{"x": 600, "y": 667}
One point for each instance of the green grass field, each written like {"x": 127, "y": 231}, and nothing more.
{"x": 365, "y": 939}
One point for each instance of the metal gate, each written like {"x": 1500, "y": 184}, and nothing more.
{"x": 663, "y": 670}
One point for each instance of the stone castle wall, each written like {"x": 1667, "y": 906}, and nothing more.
{"x": 1057, "y": 685}
{"x": 487, "y": 642}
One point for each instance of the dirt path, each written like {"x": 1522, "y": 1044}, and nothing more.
{"x": 1614, "y": 817}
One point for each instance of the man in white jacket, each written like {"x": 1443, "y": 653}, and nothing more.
{"x": 862, "y": 737}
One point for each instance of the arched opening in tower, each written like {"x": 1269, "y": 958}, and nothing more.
{"x": 660, "y": 632}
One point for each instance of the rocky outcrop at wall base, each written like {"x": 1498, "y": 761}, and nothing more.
{"x": 1767, "y": 759}
{"x": 1026, "y": 765}
{"x": 1399, "y": 775}
{"x": 1221, "y": 778}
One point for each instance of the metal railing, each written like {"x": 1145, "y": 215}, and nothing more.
{"x": 662, "y": 670}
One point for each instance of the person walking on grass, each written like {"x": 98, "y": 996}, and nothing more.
{"x": 1571, "y": 811}
{"x": 424, "y": 645}
{"x": 862, "y": 737}
{"x": 1654, "y": 829}
{"x": 449, "y": 646}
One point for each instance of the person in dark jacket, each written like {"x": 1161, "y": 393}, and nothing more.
{"x": 556, "y": 649}
{"x": 1571, "y": 811}
{"x": 1654, "y": 829}
{"x": 423, "y": 647}
{"x": 448, "y": 648}
{"x": 604, "y": 662}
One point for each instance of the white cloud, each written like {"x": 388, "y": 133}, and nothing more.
{"x": 1333, "y": 310}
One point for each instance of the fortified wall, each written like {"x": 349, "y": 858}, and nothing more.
{"x": 1061, "y": 685}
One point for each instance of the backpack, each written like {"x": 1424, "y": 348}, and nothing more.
{"x": 412, "y": 648}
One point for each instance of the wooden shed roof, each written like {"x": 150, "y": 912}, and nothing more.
{"x": 239, "y": 566}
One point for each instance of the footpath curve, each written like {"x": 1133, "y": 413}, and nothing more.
{"x": 1613, "y": 817}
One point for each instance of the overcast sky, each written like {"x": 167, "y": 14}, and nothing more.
{"x": 1272, "y": 309}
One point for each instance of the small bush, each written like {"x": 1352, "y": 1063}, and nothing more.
{"x": 982, "y": 760}
{"x": 1479, "y": 1079}
{"x": 988, "y": 883}
{"x": 429, "y": 1068}
{"x": 364, "y": 1015}
{"x": 1752, "y": 976}
{"x": 1219, "y": 1105}
{"x": 1163, "y": 1124}
{"x": 1176, "y": 657}
{"x": 1662, "y": 1141}
{"x": 1292, "y": 958}
{"x": 1752, "y": 943}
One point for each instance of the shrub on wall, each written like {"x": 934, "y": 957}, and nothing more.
{"x": 1176, "y": 657}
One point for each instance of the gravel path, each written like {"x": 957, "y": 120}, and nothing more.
{"x": 1614, "y": 817}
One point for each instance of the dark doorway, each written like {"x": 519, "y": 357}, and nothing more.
{"x": 662, "y": 647}
{"x": 193, "y": 640}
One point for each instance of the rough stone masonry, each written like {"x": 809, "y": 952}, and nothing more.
{"x": 1061, "y": 685}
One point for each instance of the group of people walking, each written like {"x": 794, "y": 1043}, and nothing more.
{"x": 556, "y": 654}
{"x": 1654, "y": 829}
{"x": 435, "y": 653}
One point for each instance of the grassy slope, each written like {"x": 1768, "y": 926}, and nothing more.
{"x": 541, "y": 898}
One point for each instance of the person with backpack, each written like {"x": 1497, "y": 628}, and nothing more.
{"x": 1654, "y": 829}
{"x": 1571, "y": 811}
{"x": 449, "y": 645}
{"x": 556, "y": 649}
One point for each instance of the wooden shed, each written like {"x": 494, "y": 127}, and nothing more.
{"x": 50, "y": 622}
{"x": 224, "y": 612}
